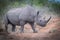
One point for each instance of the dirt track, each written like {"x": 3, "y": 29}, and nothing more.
{"x": 43, "y": 33}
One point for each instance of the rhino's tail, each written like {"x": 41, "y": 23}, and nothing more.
{"x": 5, "y": 19}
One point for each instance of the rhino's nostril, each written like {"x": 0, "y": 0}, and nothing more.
{"x": 40, "y": 20}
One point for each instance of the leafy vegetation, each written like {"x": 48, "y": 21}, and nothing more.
{"x": 17, "y": 3}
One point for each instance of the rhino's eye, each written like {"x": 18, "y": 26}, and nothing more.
{"x": 40, "y": 20}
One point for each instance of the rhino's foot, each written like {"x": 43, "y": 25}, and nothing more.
{"x": 22, "y": 32}
{"x": 7, "y": 32}
{"x": 13, "y": 30}
{"x": 35, "y": 32}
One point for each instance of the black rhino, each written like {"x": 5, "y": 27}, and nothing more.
{"x": 21, "y": 16}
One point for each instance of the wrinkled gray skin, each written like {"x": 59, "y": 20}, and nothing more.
{"x": 21, "y": 16}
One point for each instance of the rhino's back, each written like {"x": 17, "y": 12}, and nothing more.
{"x": 28, "y": 14}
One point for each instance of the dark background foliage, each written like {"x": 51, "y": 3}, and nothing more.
{"x": 55, "y": 4}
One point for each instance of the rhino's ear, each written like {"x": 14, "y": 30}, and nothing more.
{"x": 37, "y": 13}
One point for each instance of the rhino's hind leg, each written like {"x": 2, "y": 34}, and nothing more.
{"x": 6, "y": 28}
{"x": 13, "y": 28}
{"x": 33, "y": 27}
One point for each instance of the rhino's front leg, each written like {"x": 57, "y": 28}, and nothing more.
{"x": 22, "y": 23}
{"x": 33, "y": 27}
{"x": 13, "y": 28}
{"x": 22, "y": 29}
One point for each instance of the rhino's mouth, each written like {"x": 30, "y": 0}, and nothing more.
{"x": 43, "y": 25}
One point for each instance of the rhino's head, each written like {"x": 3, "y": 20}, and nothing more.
{"x": 42, "y": 21}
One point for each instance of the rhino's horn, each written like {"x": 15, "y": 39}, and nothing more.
{"x": 48, "y": 19}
